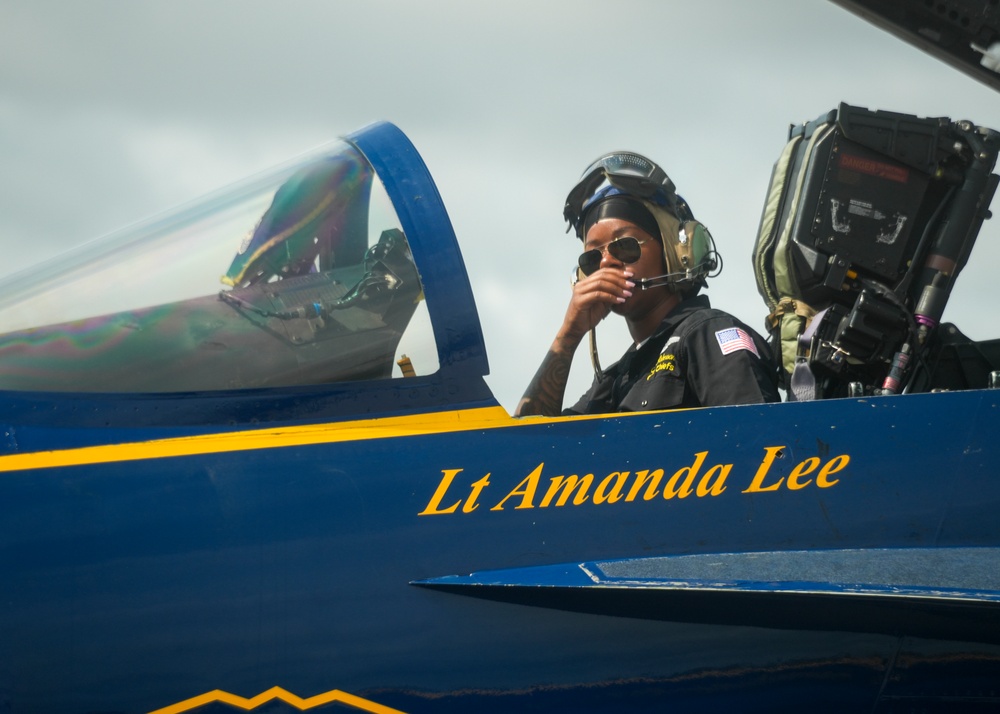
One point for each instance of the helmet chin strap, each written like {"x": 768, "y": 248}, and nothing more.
{"x": 594, "y": 360}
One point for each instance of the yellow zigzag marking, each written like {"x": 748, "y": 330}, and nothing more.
{"x": 277, "y": 693}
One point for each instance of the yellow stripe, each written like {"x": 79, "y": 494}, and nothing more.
{"x": 310, "y": 434}
{"x": 414, "y": 425}
{"x": 277, "y": 693}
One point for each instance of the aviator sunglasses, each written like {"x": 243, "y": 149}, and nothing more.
{"x": 626, "y": 249}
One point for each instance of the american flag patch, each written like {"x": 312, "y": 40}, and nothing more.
{"x": 733, "y": 339}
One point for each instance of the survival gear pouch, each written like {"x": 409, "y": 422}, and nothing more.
{"x": 868, "y": 219}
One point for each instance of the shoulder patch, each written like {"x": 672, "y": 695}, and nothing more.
{"x": 733, "y": 339}
{"x": 666, "y": 363}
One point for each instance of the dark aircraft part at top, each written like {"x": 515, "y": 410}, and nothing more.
{"x": 963, "y": 33}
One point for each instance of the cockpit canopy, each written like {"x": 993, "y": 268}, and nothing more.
{"x": 301, "y": 276}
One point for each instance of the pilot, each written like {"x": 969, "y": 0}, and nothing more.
{"x": 646, "y": 259}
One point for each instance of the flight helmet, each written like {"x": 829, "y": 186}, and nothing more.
{"x": 688, "y": 248}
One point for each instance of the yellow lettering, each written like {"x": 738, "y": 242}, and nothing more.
{"x": 526, "y": 490}
{"x": 707, "y": 488}
{"x": 688, "y": 480}
{"x": 568, "y": 484}
{"x": 664, "y": 363}
{"x": 641, "y": 477}
{"x": 756, "y": 486}
{"x": 433, "y": 508}
{"x": 689, "y": 473}
{"x": 833, "y": 466}
{"x": 477, "y": 489}
{"x": 617, "y": 478}
{"x": 807, "y": 466}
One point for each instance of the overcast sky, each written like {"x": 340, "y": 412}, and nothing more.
{"x": 111, "y": 110}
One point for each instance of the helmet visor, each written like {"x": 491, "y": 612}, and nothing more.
{"x": 631, "y": 174}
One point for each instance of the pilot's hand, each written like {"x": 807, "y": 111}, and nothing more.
{"x": 593, "y": 298}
